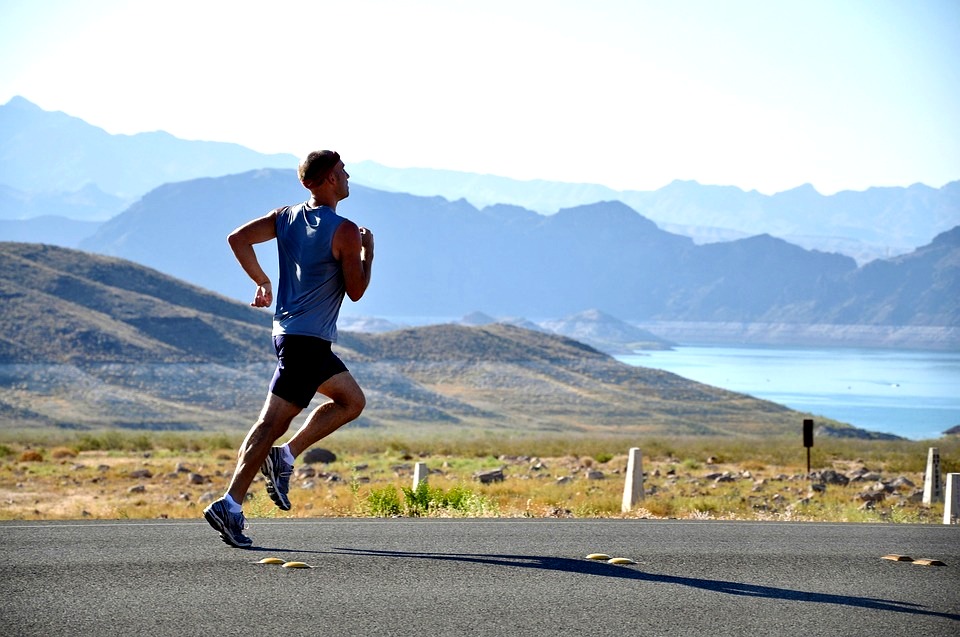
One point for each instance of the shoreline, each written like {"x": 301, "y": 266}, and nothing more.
{"x": 894, "y": 337}
{"x": 899, "y": 392}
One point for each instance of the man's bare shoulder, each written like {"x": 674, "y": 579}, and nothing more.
{"x": 348, "y": 227}
{"x": 346, "y": 239}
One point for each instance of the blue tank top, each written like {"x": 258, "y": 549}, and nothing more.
{"x": 310, "y": 290}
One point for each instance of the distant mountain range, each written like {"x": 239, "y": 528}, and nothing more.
{"x": 54, "y": 164}
{"x": 437, "y": 258}
{"x": 88, "y": 342}
{"x": 876, "y": 223}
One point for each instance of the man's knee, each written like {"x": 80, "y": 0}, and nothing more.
{"x": 346, "y": 393}
{"x": 355, "y": 403}
{"x": 277, "y": 414}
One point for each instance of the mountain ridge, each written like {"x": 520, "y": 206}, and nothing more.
{"x": 442, "y": 258}
{"x": 877, "y": 223}
{"x": 43, "y": 151}
{"x": 867, "y": 224}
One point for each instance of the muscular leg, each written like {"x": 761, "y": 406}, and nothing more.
{"x": 345, "y": 404}
{"x": 274, "y": 420}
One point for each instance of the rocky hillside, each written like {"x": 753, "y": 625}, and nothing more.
{"x": 65, "y": 306}
{"x": 513, "y": 378}
{"x": 89, "y": 341}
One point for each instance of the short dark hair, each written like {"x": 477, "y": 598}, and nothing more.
{"x": 317, "y": 165}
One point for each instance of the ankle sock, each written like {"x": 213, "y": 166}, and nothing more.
{"x": 286, "y": 453}
{"x": 234, "y": 507}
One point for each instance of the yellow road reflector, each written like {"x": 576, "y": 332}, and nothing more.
{"x": 926, "y": 562}
{"x": 295, "y": 565}
{"x": 620, "y": 560}
{"x": 897, "y": 558}
{"x": 598, "y": 556}
{"x": 270, "y": 560}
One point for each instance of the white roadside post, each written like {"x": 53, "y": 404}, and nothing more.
{"x": 951, "y": 504}
{"x": 633, "y": 487}
{"x": 932, "y": 485}
{"x": 420, "y": 473}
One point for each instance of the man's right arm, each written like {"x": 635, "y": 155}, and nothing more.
{"x": 242, "y": 241}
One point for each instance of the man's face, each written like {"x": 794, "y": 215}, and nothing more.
{"x": 341, "y": 178}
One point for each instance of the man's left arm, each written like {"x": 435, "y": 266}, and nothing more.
{"x": 353, "y": 247}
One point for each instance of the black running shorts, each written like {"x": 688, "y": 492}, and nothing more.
{"x": 303, "y": 364}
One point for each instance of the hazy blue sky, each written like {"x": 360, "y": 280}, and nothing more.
{"x": 633, "y": 94}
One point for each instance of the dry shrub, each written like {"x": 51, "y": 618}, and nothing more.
{"x": 660, "y": 507}
{"x": 753, "y": 465}
{"x": 31, "y": 455}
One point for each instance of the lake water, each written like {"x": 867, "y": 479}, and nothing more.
{"x": 911, "y": 394}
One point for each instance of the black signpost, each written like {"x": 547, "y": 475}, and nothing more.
{"x": 808, "y": 440}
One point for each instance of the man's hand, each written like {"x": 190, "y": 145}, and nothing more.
{"x": 366, "y": 239}
{"x": 264, "y": 296}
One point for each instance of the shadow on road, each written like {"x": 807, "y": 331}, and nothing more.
{"x": 267, "y": 549}
{"x": 602, "y": 569}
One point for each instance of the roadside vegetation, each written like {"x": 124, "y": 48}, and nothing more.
{"x": 113, "y": 474}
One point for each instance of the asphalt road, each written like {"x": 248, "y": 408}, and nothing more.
{"x": 501, "y": 577}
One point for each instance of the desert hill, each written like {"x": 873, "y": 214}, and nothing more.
{"x": 66, "y": 306}
{"x": 90, "y": 342}
{"x": 526, "y": 379}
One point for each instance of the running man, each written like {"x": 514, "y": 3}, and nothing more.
{"x": 323, "y": 257}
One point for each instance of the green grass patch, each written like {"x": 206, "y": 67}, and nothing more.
{"x": 384, "y": 502}
{"x": 436, "y": 501}
{"x": 426, "y": 500}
